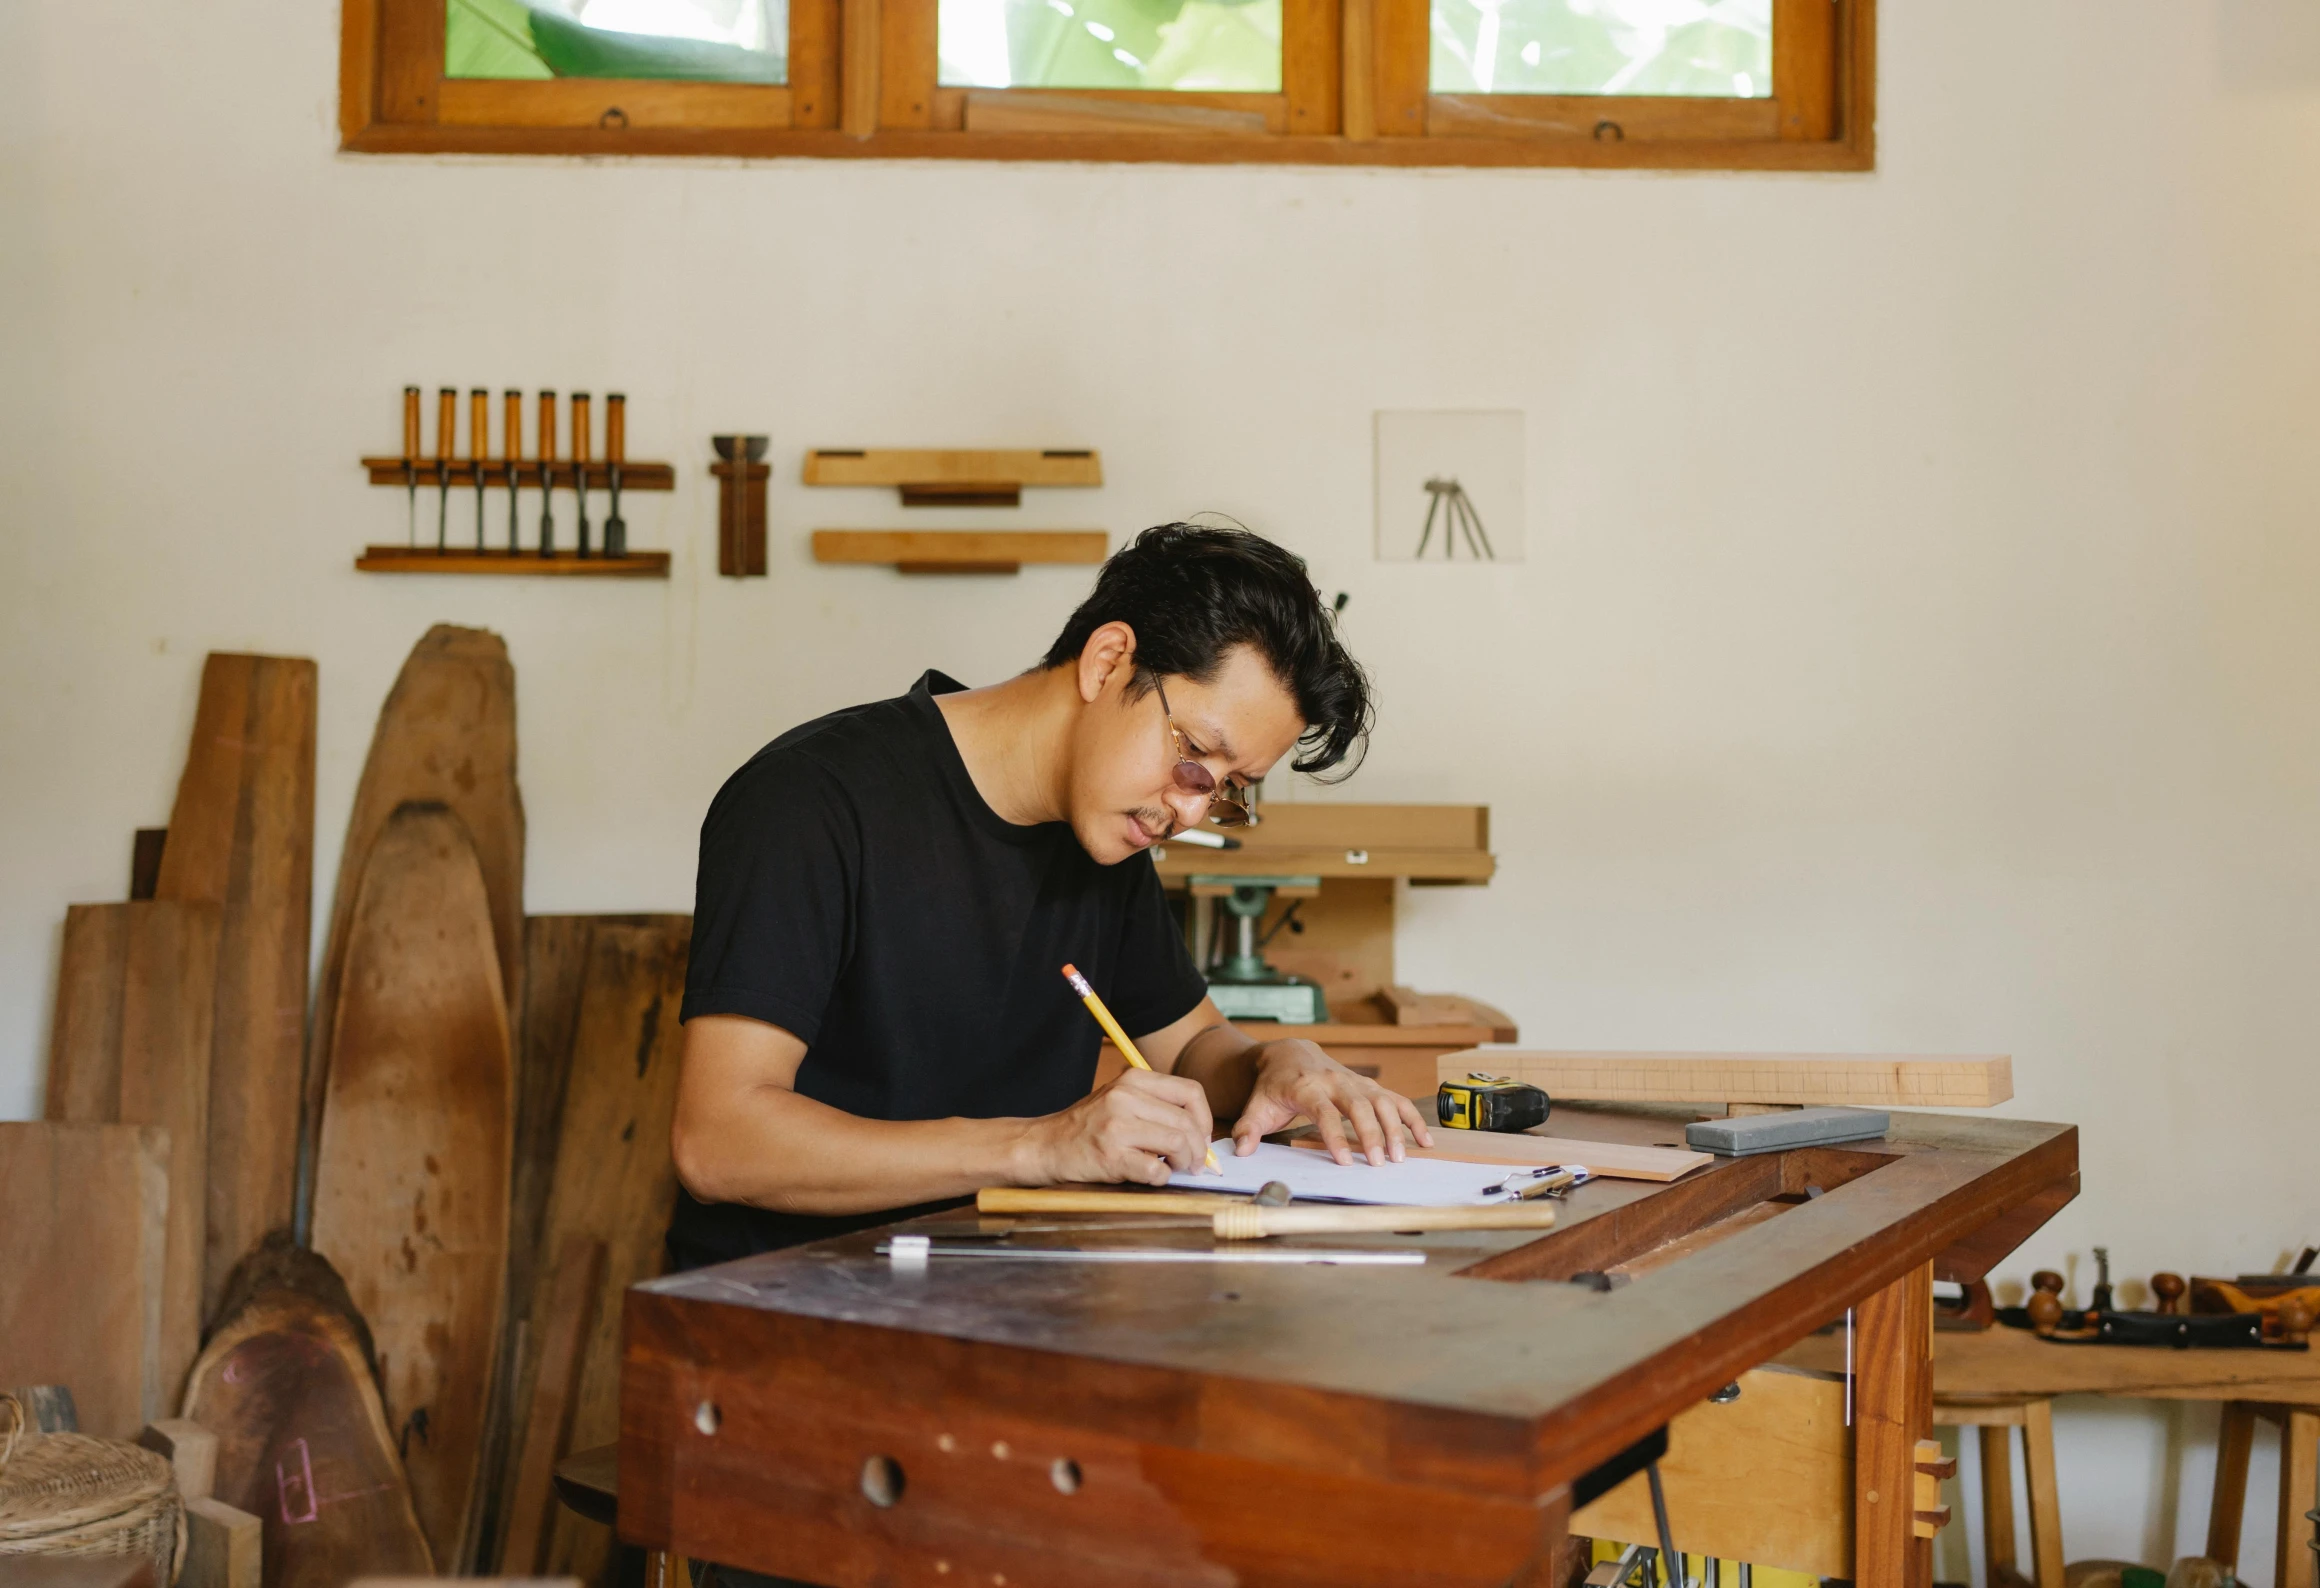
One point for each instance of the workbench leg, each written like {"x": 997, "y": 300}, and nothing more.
{"x": 2233, "y": 1441}
{"x": 1892, "y": 1411}
{"x": 2292, "y": 1564}
{"x": 1551, "y": 1563}
{"x": 2045, "y": 1494}
{"x": 1997, "y": 1504}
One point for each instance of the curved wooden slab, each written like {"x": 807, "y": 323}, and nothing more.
{"x": 447, "y": 733}
{"x": 302, "y": 1442}
{"x": 411, "y": 1161}
{"x": 241, "y": 837}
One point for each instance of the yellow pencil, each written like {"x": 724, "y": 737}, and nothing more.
{"x": 1120, "y": 1040}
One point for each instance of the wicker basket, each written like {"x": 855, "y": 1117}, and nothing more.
{"x": 68, "y": 1494}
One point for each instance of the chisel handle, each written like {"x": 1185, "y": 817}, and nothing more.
{"x": 512, "y": 404}
{"x": 547, "y": 433}
{"x": 478, "y": 428}
{"x": 1024, "y": 1199}
{"x": 615, "y": 428}
{"x": 1249, "y": 1223}
{"x": 580, "y": 435}
{"x": 410, "y": 424}
{"x": 446, "y": 425}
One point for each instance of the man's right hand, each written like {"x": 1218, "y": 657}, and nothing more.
{"x": 1138, "y": 1129}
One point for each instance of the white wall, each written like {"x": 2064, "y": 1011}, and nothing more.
{"x": 1915, "y": 651}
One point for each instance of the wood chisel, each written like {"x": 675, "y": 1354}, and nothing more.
{"x": 411, "y": 464}
{"x": 513, "y": 406}
{"x": 446, "y": 427}
{"x": 615, "y": 450}
{"x": 547, "y": 474}
{"x": 478, "y": 438}
{"x": 580, "y": 466}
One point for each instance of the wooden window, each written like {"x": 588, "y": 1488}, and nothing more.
{"x": 1705, "y": 84}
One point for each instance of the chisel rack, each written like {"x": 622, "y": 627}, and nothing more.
{"x": 488, "y": 544}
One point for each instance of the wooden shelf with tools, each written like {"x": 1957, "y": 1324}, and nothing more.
{"x": 924, "y": 551}
{"x": 613, "y": 474}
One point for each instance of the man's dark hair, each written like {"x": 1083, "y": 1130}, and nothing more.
{"x": 1192, "y": 592}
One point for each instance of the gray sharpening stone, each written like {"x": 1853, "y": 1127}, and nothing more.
{"x": 1792, "y": 1127}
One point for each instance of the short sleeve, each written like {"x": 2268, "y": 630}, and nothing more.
{"x": 773, "y": 910}
{"x": 1154, "y": 982}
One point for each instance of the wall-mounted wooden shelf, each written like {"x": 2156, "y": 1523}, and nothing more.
{"x": 403, "y": 559}
{"x": 932, "y": 477}
{"x": 959, "y": 550}
{"x": 633, "y": 476}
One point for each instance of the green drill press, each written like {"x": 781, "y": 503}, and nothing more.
{"x": 1242, "y": 985}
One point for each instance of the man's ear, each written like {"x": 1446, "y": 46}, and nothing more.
{"x": 1110, "y": 652}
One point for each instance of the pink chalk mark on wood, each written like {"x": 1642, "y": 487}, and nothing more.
{"x": 302, "y": 1480}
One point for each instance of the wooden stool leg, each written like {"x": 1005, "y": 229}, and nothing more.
{"x": 2292, "y": 1564}
{"x": 2232, "y": 1444}
{"x": 1997, "y": 1504}
{"x": 2045, "y": 1495}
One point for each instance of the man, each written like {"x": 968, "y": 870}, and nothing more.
{"x": 876, "y": 1017}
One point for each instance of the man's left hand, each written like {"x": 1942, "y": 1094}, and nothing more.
{"x": 1294, "y": 1077}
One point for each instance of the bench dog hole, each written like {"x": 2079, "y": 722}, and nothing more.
{"x": 882, "y": 1481}
{"x": 1065, "y": 1475}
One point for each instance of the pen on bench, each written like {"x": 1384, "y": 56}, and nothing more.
{"x": 1087, "y": 995}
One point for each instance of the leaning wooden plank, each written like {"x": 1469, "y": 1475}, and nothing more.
{"x": 1902, "y": 1081}
{"x": 82, "y": 1244}
{"x": 411, "y": 1161}
{"x": 169, "y": 986}
{"x": 555, "y": 960}
{"x": 286, "y": 1383}
{"x": 562, "y": 1330}
{"x": 614, "y": 1179}
{"x": 241, "y": 837}
{"x": 84, "y": 1045}
{"x": 447, "y": 733}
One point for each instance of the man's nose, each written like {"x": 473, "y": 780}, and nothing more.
{"x": 1187, "y": 807}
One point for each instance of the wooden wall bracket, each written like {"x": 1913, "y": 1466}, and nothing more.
{"x": 959, "y": 550}
{"x": 740, "y": 505}
{"x": 933, "y": 477}
{"x": 425, "y": 559}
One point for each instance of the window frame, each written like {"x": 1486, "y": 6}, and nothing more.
{"x": 1354, "y": 91}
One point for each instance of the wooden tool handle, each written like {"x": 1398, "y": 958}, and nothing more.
{"x": 446, "y": 421}
{"x": 1022, "y": 1199}
{"x": 615, "y": 428}
{"x": 1247, "y": 1223}
{"x": 547, "y": 432}
{"x": 580, "y": 429}
{"x": 478, "y": 424}
{"x": 410, "y": 424}
{"x": 513, "y": 405}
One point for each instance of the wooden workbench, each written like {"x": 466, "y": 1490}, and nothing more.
{"x": 1255, "y": 1425}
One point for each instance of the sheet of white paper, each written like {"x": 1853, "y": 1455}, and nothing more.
{"x": 1414, "y": 1182}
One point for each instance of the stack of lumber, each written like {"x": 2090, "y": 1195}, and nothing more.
{"x": 180, "y": 1024}
{"x": 379, "y": 1253}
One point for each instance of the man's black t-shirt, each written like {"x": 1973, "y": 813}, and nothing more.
{"x": 857, "y": 891}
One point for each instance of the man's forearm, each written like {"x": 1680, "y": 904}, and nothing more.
{"x": 777, "y": 1150}
{"x": 1223, "y": 1059}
